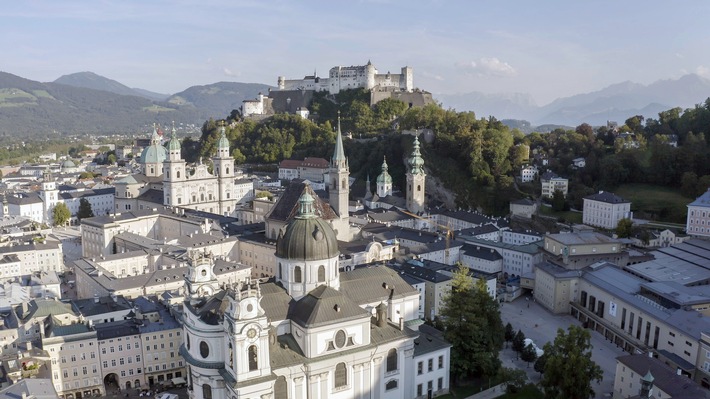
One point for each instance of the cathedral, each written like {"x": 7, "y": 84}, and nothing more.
{"x": 165, "y": 180}
{"x": 314, "y": 331}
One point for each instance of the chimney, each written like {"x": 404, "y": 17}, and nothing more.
{"x": 679, "y": 371}
{"x": 381, "y": 314}
{"x": 401, "y": 324}
{"x": 96, "y": 298}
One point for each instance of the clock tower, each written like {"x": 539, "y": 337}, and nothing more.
{"x": 248, "y": 335}
{"x": 200, "y": 280}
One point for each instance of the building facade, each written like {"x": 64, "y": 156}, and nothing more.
{"x": 605, "y": 210}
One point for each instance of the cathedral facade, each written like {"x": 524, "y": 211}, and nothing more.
{"x": 314, "y": 331}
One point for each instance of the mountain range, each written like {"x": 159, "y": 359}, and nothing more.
{"x": 85, "y": 102}
{"x": 89, "y": 103}
{"x": 613, "y": 103}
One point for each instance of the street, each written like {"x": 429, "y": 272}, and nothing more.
{"x": 541, "y": 326}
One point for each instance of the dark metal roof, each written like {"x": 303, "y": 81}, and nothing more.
{"x": 605, "y": 196}
{"x": 307, "y": 239}
{"x": 324, "y": 306}
{"x": 287, "y": 205}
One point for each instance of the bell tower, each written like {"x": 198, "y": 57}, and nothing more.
{"x": 248, "y": 333}
{"x": 416, "y": 179}
{"x": 223, "y": 165}
{"x": 339, "y": 174}
{"x": 50, "y": 196}
{"x": 200, "y": 280}
{"x": 174, "y": 176}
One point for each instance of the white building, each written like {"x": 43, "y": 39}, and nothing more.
{"x": 316, "y": 336}
{"x": 528, "y": 173}
{"x": 698, "y": 221}
{"x": 352, "y": 77}
{"x": 605, "y": 209}
{"x": 550, "y": 183}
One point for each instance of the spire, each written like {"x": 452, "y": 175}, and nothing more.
{"x": 305, "y": 209}
{"x": 384, "y": 177}
{"x": 339, "y": 160}
{"x": 174, "y": 143}
{"x": 416, "y": 163}
{"x": 155, "y": 138}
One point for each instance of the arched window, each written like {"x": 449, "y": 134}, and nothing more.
{"x": 281, "y": 388}
{"x": 231, "y": 355}
{"x": 202, "y": 197}
{"x": 392, "y": 360}
{"x": 281, "y": 272}
{"x": 253, "y": 358}
{"x": 321, "y": 274}
{"x": 419, "y": 187}
{"x": 206, "y": 391}
{"x": 204, "y": 349}
{"x": 297, "y": 274}
{"x": 392, "y": 384}
{"x": 187, "y": 341}
{"x": 227, "y": 170}
{"x": 178, "y": 174}
{"x": 341, "y": 375}
{"x": 343, "y": 185}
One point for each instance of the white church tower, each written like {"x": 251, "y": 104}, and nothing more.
{"x": 174, "y": 176}
{"x": 416, "y": 179}
{"x": 223, "y": 167}
{"x": 384, "y": 181}
{"x": 50, "y": 196}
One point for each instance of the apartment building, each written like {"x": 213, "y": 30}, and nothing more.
{"x": 605, "y": 209}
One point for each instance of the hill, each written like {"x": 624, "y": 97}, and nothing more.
{"x": 90, "y": 80}
{"x": 30, "y": 107}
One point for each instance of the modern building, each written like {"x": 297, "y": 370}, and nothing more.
{"x": 605, "y": 210}
{"x": 550, "y": 183}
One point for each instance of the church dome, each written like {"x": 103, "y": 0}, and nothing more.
{"x": 155, "y": 153}
{"x": 307, "y": 237}
{"x": 384, "y": 177}
{"x": 68, "y": 164}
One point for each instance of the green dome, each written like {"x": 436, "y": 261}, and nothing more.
{"x": 307, "y": 237}
{"x": 384, "y": 177}
{"x": 416, "y": 163}
{"x": 68, "y": 164}
{"x": 223, "y": 142}
{"x": 174, "y": 143}
{"x": 155, "y": 153}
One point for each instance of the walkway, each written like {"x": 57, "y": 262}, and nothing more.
{"x": 496, "y": 391}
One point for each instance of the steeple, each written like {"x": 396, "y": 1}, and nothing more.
{"x": 384, "y": 181}
{"x": 155, "y": 138}
{"x": 223, "y": 143}
{"x": 339, "y": 160}
{"x": 368, "y": 190}
{"x": 174, "y": 146}
{"x": 416, "y": 163}
{"x": 305, "y": 209}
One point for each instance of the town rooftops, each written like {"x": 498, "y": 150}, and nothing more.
{"x": 324, "y": 306}
{"x": 664, "y": 378}
{"x": 582, "y": 238}
{"x": 609, "y": 198}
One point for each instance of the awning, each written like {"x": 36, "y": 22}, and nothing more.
{"x": 179, "y": 380}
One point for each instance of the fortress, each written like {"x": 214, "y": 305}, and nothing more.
{"x": 352, "y": 77}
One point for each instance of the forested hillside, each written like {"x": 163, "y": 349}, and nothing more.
{"x": 478, "y": 158}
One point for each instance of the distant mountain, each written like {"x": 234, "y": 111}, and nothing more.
{"x": 219, "y": 98}
{"x": 616, "y": 102}
{"x": 502, "y": 106}
{"x": 151, "y": 95}
{"x": 30, "y": 107}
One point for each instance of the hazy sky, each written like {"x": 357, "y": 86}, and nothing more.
{"x": 546, "y": 48}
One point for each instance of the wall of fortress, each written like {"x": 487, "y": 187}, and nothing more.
{"x": 352, "y": 77}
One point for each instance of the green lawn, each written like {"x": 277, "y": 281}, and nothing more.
{"x": 569, "y": 216}
{"x": 655, "y": 202}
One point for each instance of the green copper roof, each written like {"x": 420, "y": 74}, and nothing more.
{"x": 174, "y": 144}
{"x": 416, "y": 163}
{"x": 339, "y": 153}
{"x": 384, "y": 177}
{"x": 223, "y": 143}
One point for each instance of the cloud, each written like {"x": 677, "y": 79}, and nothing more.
{"x": 430, "y": 75}
{"x": 229, "y": 72}
{"x": 703, "y": 71}
{"x": 488, "y": 67}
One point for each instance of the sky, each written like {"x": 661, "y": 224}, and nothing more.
{"x": 547, "y": 49}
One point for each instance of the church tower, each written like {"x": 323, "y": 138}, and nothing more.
{"x": 384, "y": 181}
{"x": 416, "y": 178}
{"x": 248, "y": 337}
{"x": 174, "y": 176}
{"x": 339, "y": 174}
{"x": 223, "y": 166}
{"x": 200, "y": 280}
{"x": 49, "y": 195}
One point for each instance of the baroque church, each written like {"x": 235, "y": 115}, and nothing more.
{"x": 164, "y": 179}
{"x": 313, "y": 331}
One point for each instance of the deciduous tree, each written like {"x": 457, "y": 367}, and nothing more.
{"x": 519, "y": 341}
{"x": 528, "y": 354}
{"x": 624, "y": 228}
{"x": 509, "y": 333}
{"x": 569, "y": 369}
{"x": 61, "y": 214}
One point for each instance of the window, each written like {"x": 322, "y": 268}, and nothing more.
{"x": 441, "y": 362}
{"x": 392, "y": 360}
{"x": 419, "y": 390}
{"x": 390, "y": 385}
{"x": 280, "y": 388}
{"x": 297, "y": 274}
{"x": 321, "y": 274}
{"x": 430, "y": 365}
{"x": 253, "y": 358}
{"x": 420, "y": 368}
{"x": 341, "y": 375}
{"x": 207, "y": 391}
{"x": 440, "y": 384}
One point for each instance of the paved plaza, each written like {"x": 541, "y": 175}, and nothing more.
{"x": 541, "y": 326}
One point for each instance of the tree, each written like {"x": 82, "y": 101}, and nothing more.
{"x": 529, "y": 354}
{"x": 471, "y": 323}
{"x": 111, "y": 159}
{"x": 624, "y": 228}
{"x": 539, "y": 365}
{"x": 509, "y": 333}
{"x": 61, "y": 214}
{"x": 558, "y": 201}
{"x": 519, "y": 342}
{"x": 85, "y": 210}
{"x": 569, "y": 369}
